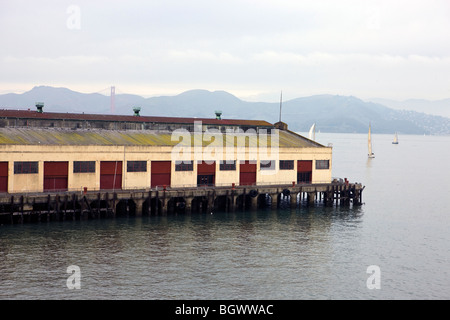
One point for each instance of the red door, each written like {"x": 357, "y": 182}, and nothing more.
{"x": 160, "y": 175}
{"x": 56, "y": 176}
{"x": 111, "y": 175}
{"x": 3, "y": 176}
{"x": 247, "y": 175}
{"x": 206, "y": 173}
{"x": 304, "y": 171}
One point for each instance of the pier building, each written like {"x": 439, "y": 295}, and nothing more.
{"x": 92, "y": 164}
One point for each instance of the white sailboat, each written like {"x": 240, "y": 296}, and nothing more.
{"x": 369, "y": 142}
{"x": 395, "y": 139}
{"x": 312, "y": 132}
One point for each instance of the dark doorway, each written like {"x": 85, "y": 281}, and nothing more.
{"x": 304, "y": 171}
{"x": 206, "y": 173}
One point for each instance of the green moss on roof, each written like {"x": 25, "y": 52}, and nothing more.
{"x": 34, "y": 136}
{"x": 146, "y": 139}
{"x": 5, "y": 139}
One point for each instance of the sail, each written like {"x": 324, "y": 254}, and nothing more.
{"x": 312, "y": 132}
{"x": 369, "y": 142}
{"x": 395, "y": 139}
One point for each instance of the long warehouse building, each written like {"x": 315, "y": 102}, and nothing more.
{"x": 45, "y": 151}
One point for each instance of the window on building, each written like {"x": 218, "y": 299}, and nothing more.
{"x": 26, "y": 167}
{"x": 267, "y": 165}
{"x": 83, "y": 166}
{"x": 184, "y": 166}
{"x": 286, "y": 164}
{"x": 228, "y": 165}
{"x": 136, "y": 166}
{"x": 322, "y": 164}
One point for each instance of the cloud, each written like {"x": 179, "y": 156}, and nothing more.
{"x": 349, "y": 46}
{"x": 192, "y": 55}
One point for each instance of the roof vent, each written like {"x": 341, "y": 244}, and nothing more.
{"x": 39, "y": 107}
{"x": 136, "y": 111}
{"x": 218, "y": 115}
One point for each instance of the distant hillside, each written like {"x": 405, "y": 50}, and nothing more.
{"x": 331, "y": 113}
{"x": 57, "y": 100}
{"x": 437, "y": 107}
{"x": 349, "y": 114}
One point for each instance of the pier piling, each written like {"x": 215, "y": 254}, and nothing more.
{"x": 100, "y": 204}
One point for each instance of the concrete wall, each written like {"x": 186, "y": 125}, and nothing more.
{"x": 183, "y": 178}
{"x": 141, "y": 180}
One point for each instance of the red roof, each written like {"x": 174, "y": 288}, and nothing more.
{"x": 28, "y": 114}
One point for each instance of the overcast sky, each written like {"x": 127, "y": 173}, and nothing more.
{"x": 254, "y": 49}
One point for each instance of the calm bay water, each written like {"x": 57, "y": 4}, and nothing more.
{"x": 304, "y": 253}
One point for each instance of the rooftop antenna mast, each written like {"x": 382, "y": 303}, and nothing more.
{"x": 281, "y": 101}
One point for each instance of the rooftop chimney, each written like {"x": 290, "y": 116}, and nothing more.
{"x": 39, "y": 107}
{"x": 218, "y": 115}
{"x": 136, "y": 111}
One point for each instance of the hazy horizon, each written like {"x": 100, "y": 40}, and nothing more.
{"x": 254, "y": 98}
{"x": 392, "y": 50}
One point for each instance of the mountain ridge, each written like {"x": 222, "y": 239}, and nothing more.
{"x": 331, "y": 113}
{"x": 439, "y": 107}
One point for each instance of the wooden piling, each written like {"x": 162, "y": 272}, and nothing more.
{"x": 48, "y": 206}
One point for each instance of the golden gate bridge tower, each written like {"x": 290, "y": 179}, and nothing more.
{"x": 113, "y": 100}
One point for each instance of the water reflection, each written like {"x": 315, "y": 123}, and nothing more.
{"x": 306, "y": 253}
{"x": 225, "y": 255}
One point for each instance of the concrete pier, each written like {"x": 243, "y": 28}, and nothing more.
{"x": 37, "y": 207}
